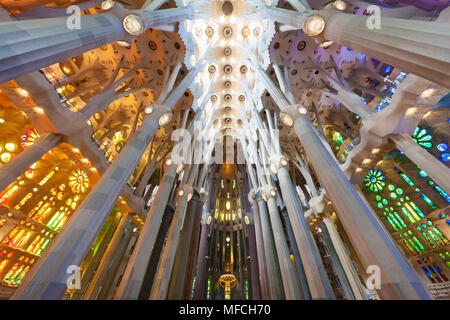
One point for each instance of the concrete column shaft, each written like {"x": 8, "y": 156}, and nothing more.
{"x": 434, "y": 168}
{"x": 135, "y": 272}
{"x": 274, "y": 279}
{"x": 163, "y": 275}
{"x": 101, "y": 273}
{"x": 20, "y": 163}
{"x": 291, "y": 289}
{"x": 347, "y": 265}
{"x": 48, "y": 278}
{"x": 33, "y": 44}
{"x": 312, "y": 263}
{"x": 419, "y": 47}
{"x": 265, "y": 294}
{"x": 370, "y": 239}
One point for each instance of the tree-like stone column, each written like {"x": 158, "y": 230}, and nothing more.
{"x": 186, "y": 239}
{"x": 312, "y": 263}
{"x": 419, "y": 47}
{"x": 133, "y": 277}
{"x": 101, "y": 273}
{"x": 20, "y": 163}
{"x": 303, "y": 282}
{"x": 274, "y": 279}
{"x": 33, "y": 44}
{"x": 202, "y": 259}
{"x": 434, "y": 168}
{"x": 373, "y": 244}
{"x": 48, "y": 278}
{"x": 291, "y": 290}
{"x": 163, "y": 275}
{"x": 350, "y": 272}
{"x": 265, "y": 294}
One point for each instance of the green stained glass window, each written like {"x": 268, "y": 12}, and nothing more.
{"x": 375, "y": 180}
{"x": 422, "y": 137}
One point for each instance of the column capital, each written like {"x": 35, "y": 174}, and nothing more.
{"x": 160, "y": 112}
{"x": 185, "y": 192}
{"x": 318, "y": 203}
{"x": 268, "y": 191}
{"x": 203, "y": 194}
{"x": 289, "y": 114}
{"x": 278, "y": 161}
{"x": 252, "y": 195}
{"x": 168, "y": 163}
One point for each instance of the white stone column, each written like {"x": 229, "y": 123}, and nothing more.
{"x": 101, "y": 273}
{"x": 274, "y": 279}
{"x": 181, "y": 265}
{"x": 372, "y": 242}
{"x": 434, "y": 168}
{"x": 312, "y": 263}
{"x": 291, "y": 290}
{"x": 20, "y": 163}
{"x": 347, "y": 265}
{"x": 163, "y": 275}
{"x": 416, "y": 46}
{"x": 419, "y": 47}
{"x": 133, "y": 277}
{"x": 265, "y": 294}
{"x": 33, "y": 44}
{"x": 48, "y": 277}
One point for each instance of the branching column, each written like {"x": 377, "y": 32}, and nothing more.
{"x": 48, "y": 278}
{"x": 398, "y": 280}
{"x": 133, "y": 277}
{"x": 291, "y": 289}
{"x": 20, "y": 163}
{"x": 202, "y": 260}
{"x": 33, "y": 44}
{"x": 434, "y": 168}
{"x": 161, "y": 283}
{"x": 350, "y": 272}
{"x": 312, "y": 264}
{"x": 186, "y": 240}
{"x": 101, "y": 274}
{"x": 265, "y": 294}
{"x": 303, "y": 282}
{"x": 274, "y": 280}
{"x": 419, "y": 47}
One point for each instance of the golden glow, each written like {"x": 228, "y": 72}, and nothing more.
{"x": 47, "y": 177}
{"x": 10, "y": 146}
{"x": 22, "y": 92}
{"x": 427, "y": 93}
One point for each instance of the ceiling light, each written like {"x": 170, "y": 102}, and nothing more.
{"x": 134, "y": 24}
{"x": 165, "y": 118}
{"x": 107, "y": 4}
{"x": 148, "y": 109}
{"x": 286, "y": 119}
{"x": 313, "y": 25}
{"x": 302, "y": 110}
{"x": 339, "y": 5}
